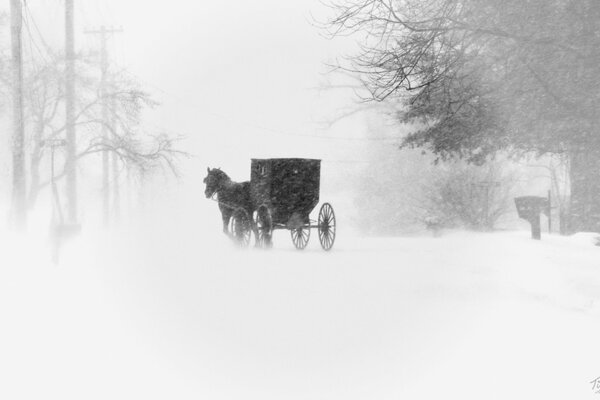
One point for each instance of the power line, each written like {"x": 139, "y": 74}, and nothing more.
{"x": 32, "y": 42}
{"x": 29, "y": 16}
{"x": 83, "y": 14}
{"x": 254, "y": 125}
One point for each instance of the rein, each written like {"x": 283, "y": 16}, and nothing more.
{"x": 222, "y": 202}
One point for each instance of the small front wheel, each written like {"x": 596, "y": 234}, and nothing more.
{"x": 300, "y": 236}
{"x": 326, "y": 226}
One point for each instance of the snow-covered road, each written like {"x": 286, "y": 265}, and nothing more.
{"x": 494, "y": 316}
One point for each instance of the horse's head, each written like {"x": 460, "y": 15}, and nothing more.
{"x": 214, "y": 181}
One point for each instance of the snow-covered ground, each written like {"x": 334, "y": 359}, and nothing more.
{"x": 153, "y": 312}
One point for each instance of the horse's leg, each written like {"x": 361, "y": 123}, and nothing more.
{"x": 266, "y": 240}
{"x": 254, "y": 227}
{"x": 226, "y": 215}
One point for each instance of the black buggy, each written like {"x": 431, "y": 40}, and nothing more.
{"x": 283, "y": 192}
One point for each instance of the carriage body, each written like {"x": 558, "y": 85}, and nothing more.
{"x": 289, "y": 187}
{"x": 282, "y": 193}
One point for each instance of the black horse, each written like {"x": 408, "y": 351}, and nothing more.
{"x": 230, "y": 195}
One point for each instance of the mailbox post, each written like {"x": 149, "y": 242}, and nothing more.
{"x": 529, "y": 209}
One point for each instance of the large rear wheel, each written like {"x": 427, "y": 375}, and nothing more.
{"x": 326, "y": 226}
{"x": 241, "y": 227}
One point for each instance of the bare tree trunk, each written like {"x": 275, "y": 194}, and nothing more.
{"x": 559, "y": 184}
{"x": 34, "y": 161}
{"x": 71, "y": 158}
{"x": 105, "y": 154}
{"x": 115, "y": 167}
{"x": 585, "y": 191}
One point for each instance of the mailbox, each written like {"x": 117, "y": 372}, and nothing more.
{"x": 529, "y": 208}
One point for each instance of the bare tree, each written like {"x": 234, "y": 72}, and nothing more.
{"x": 134, "y": 147}
{"x": 463, "y": 195}
{"x": 480, "y": 76}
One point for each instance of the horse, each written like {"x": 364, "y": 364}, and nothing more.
{"x": 230, "y": 195}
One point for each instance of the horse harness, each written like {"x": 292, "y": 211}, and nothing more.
{"x": 222, "y": 202}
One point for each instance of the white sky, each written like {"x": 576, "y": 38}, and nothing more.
{"x": 237, "y": 78}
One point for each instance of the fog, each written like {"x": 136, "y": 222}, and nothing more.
{"x": 433, "y": 286}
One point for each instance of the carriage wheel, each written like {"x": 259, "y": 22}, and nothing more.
{"x": 241, "y": 227}
{"x": 326, "y": 226}
{"x": 300, "y": 236}
{"x": 264, "y": 227}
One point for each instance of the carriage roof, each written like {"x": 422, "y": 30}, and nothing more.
{"x": 287, "y": 161}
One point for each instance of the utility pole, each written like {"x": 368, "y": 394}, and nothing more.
{"x": 103, "y": 32}
{"x": 71, "y": 150}
{"x": 18, "y": 141}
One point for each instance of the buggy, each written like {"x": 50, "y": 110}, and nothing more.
{"x": 283, "y": 192}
